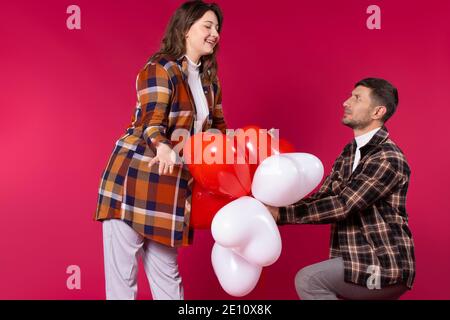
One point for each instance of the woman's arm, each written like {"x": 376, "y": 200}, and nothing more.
{"x": 154, "y": 90}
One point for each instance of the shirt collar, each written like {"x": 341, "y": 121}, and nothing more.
{"x": 183, "y": 64}
{"x": 192, "y": 64}
{"x": 363, "y": 139}
{"x": 379, "y": 137}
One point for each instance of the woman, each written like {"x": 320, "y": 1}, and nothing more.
{"x": 144, "y": 196}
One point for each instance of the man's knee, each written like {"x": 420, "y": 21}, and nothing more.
{"x": 304, "y": 282}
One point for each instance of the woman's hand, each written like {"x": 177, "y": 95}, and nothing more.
{"x": 166, "y": 158}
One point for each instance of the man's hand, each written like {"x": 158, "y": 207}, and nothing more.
{"x": 274, "y": 211}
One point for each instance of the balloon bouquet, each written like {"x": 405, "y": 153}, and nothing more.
{"x": 235, "y": 176}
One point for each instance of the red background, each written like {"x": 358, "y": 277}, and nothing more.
{"x": 67, "y": 95}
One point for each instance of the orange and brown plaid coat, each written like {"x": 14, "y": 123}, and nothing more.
{"x": 367, "y": 211}
{"x": 156, "y": 206}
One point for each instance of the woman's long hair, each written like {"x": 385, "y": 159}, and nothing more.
{"x": 174, "y": 43}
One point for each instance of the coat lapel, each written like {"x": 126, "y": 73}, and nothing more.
{"x": 350, "y": 151}
{"x": 209, "y": 93}
{"x": 207, "y": 90}
{"x": 183, "y": 65}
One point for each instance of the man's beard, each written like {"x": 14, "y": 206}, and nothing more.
{"x": 361, "y": 124}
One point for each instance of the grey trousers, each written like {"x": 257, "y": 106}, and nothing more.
{"x": 122, "y": 248}
{"x": 325, "y": 281}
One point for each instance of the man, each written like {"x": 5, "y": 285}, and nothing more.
{"x": 371, "y": 249}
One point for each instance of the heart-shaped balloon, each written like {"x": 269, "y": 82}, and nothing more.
{"x": 284, "y": 179}
{"x": 237, "y": 276}
{"x": 259, "y": 144}
{"x": 205, "y": 205}
{"x": 310, "y": 168}
{"x": 246, "y": 226}
{"x": 212, "y": 160}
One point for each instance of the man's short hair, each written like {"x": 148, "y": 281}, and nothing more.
{"x": 382, "y": 93}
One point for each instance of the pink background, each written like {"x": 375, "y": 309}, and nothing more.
{"x": 67, "y": 95}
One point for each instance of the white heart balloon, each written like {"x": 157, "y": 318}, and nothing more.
{"x": 246, "y": 226}
{"x": 311, "y": 171}
{"x": 237, "y": 276}
{"x": 276, "y": 180}
{"x": 284, "y": 179}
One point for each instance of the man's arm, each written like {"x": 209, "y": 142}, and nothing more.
{"x": 324, "y": 190}
{"x": 377, "y": 178}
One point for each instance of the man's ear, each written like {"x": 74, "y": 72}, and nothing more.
{"x": 380, "y": 111}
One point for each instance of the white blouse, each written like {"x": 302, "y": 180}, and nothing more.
{"x": 195, "y": 84}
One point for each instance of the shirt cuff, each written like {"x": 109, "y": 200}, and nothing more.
{"x": 291, "y": 214}
{"x": 160, "y": 139}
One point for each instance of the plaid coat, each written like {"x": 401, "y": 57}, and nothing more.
{"x": 367, "y": 211}
{"x": 156, "y": 206}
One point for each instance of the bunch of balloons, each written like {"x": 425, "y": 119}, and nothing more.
{"x": 234, "y": 178}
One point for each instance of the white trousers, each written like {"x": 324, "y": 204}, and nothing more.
{"x": 122, "y": 247}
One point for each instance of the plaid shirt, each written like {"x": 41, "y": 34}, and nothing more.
{"x": 367, "y": 211}
{"x": 156, "y": 206}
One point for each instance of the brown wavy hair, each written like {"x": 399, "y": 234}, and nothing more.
{"x": 173, "y": 44}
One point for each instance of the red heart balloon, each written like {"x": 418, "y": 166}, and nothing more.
{"x": 284, "y": 146}
{"x": 205, "y": 205}
{"x": 212, "y": 159}
{"x": 255, "y": 139}
{"x": 259, "y": 145}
